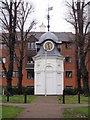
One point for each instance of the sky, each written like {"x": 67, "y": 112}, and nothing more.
{"x": 58, "y": 15}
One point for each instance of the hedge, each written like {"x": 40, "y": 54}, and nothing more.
{"x": 25, "y": 90}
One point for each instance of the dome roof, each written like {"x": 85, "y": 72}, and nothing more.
{"x": 50, "y": 36}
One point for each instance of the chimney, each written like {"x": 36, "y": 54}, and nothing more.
{"x": 42, "y": 27}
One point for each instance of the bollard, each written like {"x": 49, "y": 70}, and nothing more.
{"x": 63, "y": 97}
{"x": 25, "y": 98}
{"x": 7, "y": 98}
{"x": 79, "y": 97}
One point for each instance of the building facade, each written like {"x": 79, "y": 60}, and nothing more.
{"x": 66, "y": 48}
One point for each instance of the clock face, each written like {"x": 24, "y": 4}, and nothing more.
{"x": 48, "y": 45}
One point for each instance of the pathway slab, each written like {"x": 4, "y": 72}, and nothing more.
{"x": 43, "y": 107}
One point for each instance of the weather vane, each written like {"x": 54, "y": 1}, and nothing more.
{"x": 48, "y": 17}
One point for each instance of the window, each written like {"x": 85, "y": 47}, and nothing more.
{"x": 28, "y": 45}
{"x": 68, "y": 59}
{"x": 2, "y": 46}
{"x": 31, "y": 45}
{"x": 14, "y": 59}
{"x": 68, "y": 74}
{"x": 2, "y": 59}
{"x": 69, "y": 86}
{"x": 2, "y": 74}
{"x": 15, "y": 73}
{"x": 79, "y": 60}
{"x": 68, "y": 45}
{"x": 29, "y": 59}
{"x": 30, "y": 74}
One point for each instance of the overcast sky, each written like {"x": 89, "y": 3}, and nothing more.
{"x": 58, "y": 15}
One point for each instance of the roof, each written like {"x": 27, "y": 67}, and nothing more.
{"x": 48, "y": 35}
{"x": 55, "y": 52}
{"x": 62, "y": 36}
{"x": 65, "y": 36}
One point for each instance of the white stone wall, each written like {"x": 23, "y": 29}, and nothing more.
{"x": 48, "y": 76}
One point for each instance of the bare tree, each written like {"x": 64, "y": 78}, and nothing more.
{"x": 8, "y": 10}
{"x": 24, "y": 13}
{"x": 78, "y": 18}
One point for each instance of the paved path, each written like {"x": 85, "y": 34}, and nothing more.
{"x": 44, "y": 107}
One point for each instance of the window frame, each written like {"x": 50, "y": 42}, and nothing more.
{"x": 31, "y": 45}
{"x": 2, "y": 59}
{"x": 31, "y": 73}
{"x": 2, "y": 74}
{"x": 15, "y": 74}
{"x": 29, "y": 59}
{"x": 68, "y": 72}
{"x": 68, "y": 45}
{"x": 68, "y": 59}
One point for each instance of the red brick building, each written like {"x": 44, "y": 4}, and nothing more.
{"x": 67, "y": 49}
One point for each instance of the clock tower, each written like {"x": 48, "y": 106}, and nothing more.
{"x": 48, "y": 68}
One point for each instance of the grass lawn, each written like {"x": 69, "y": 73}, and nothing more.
{"x": 78, "y": 112}
{"x": 73, "y": 99}
{"x": 10, "y": 112}
{"x": 0, "y": 112}
{"x": 18, "y": 99}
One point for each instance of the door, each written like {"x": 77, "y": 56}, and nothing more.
{"x": 59, "y": 85}
{"x": 39, "y": 84}
{"x": 50, "y": 83}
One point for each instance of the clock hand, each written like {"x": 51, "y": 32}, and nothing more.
{"x": 50, "y": 46}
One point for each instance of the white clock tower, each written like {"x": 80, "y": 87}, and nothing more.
{"x": 49, "y": 67}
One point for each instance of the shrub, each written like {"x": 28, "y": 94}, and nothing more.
{"x": 70, "y": 91}
{"x": 25, "y": 90}
{"x": 29, "y": 91}
{"x": 82, "y": 91}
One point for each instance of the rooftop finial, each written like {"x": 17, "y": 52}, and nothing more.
{"x": 48, "y": 17}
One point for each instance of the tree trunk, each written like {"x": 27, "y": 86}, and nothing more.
{"x": 85, "y": 82}
{"x": 78, "y": 72}
{"x": 12, "y": 41}
{"x": 84, "y": 73}
{"x": 10, "y": 72}
{"x": 20, "y": 82}
{"x": 20, "y": 76}
{"x": 9, "y": 87}
{"x": 79, "y": 80}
